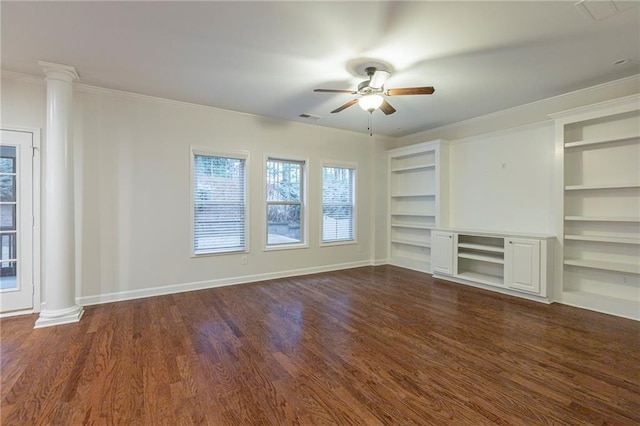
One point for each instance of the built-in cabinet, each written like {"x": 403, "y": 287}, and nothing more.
{"x": 599, "y": 149}
{"x": 514, "y": 264}
{"x": 415, "y": 203}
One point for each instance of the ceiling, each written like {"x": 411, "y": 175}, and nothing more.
{"x": 266, "y": 57}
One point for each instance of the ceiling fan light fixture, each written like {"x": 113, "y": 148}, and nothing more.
{"x": 370, "y": 102}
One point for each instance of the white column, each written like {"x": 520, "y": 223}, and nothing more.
{"x": 58, "y": 236}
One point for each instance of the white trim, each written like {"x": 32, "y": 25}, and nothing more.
{"x": 201, "y": 285}
{"x": 36, "y": 133}
{"x": 17, "y": 313}
{"x": 494, "y": 289}
{"x": 59, "y": 317}
{"x": 238, "y": 154}
{"x": 356, "y": 182}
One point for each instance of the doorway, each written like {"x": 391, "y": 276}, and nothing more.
{"x": 19, "y": 200}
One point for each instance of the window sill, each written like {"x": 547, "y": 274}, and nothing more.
{"x": 285, "y": 247}
{"x": 338, "y": 243}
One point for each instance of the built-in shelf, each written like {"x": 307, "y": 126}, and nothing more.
{"x": 599, "y": 260}
{"x": 593, "y": 187}
{"x": 628, "y": 308}
{"x": 482, "y": 278}
{"x": 599, "y": 141}
{"x": 411, "y": 226}
{"x": 603, "y": 239}
{"x": 482, "y": 257}
{"x": 413, "y": 168}
{"x": 412, "y": 195}
{"x": 411, "y": 243}
{"x": 603, "y": 218}
{"x": 417, "y": 214}
{"x": 483, "y": 247}
{"x": 607, "y": 266}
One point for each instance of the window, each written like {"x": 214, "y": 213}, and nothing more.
{"x": 338, "y": 204}
{"x": 219, "y": 203}
{"x": 285, "y": 206}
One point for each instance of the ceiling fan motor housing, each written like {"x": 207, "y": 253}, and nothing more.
{"x": 365, "y": 89}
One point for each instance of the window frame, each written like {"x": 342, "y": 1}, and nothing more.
{"x": 304, "y": 219}
{"x": 342, "y": 165}
{"x": 234, "y": 154}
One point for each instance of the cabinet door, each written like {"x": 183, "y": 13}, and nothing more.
{"x": 522, "y": 264}
{"x": 442, "y": 253}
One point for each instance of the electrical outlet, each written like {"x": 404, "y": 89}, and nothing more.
{"x": 358, "y": 248}
{"x": 244, "y": 260}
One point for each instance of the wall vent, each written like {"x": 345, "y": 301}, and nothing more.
{"x": 310, "y": 116}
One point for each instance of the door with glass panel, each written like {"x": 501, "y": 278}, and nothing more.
{"x": 16, "y": 221}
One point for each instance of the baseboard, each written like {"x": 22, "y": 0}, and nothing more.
{"x": 201, "y": 285}
{"x": 501, "y": 290}
{"x": 379, "y": 262}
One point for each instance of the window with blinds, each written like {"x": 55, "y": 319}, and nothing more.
{"x": 219, "y": 204}
{"x": 285, "y": 196}
{"x": 338, "y": 204}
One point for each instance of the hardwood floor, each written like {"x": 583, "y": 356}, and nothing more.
{"x": 366, "y": 346}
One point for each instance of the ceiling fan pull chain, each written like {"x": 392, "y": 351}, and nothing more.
{"x": 370, "y": 123}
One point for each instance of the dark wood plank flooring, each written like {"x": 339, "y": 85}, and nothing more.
{"x": 367, "y": 346}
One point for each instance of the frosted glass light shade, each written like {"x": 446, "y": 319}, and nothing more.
{"x": 370, "y": 102}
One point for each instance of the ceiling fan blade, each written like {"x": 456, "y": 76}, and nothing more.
{"x": 345, "y": 106}
{"x": 378, "y": 79}
{"x": 335, "y": 91}
{"x": 387, "y": 108}
{"x": 410, "y": 91}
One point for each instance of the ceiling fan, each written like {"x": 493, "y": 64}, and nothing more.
{"x": 372, "y": 92}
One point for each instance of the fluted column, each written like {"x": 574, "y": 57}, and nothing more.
{"x": 58, "y": 241}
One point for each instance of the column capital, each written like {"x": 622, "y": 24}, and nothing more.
{"x": 55, "y": 71}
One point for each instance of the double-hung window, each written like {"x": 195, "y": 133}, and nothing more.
{"x": 338, "y": 203}
{"x": 219, "y": 202}
{"x": 285, "y": 202}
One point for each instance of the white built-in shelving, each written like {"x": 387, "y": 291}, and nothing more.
{"x": 414, "y": 203}
{"x": 510, "y": 263}
{"x": 600, "y": 260}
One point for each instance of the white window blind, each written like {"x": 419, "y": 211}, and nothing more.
{"x": 338, "y": 204}
{"x": 285, "y": 197}
{"x": 219, "y": 204}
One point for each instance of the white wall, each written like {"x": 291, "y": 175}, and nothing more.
{"x": 503, "y": 181}
{"x": 132, "y": 181}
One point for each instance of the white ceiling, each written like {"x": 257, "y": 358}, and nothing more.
{"x": 266, "y": 57}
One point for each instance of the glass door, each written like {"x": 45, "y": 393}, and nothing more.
{"x": 16, "y": 221}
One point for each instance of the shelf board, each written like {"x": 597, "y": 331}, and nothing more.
{"x": 411, "y": 243}
{"x": 413, "y": 168}
{"x": 592, "y": 187}
{"x": 417, "y": 214}
{"x": 481, "y": 247}
{"x": 603, "y": 239}
{"x": 603, "y": 218}
{"x": 602, "y": 303}
{"x": 482, "y": 257}
{"x": 411, "y": 226}
{"x": 482, "y": 278}
{"x": 416, "y": 265}
{"x": 598, "y": 141}
{"x": 607, "y": 266}
{"x": 412, "y": 195}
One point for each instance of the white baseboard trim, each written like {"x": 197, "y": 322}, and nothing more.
{"x": 506, "y": 291}
{"x": 201, "y": 285}
{"x": 379, "y": 262}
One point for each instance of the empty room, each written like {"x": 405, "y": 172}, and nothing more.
{"x": 320, "y": 212}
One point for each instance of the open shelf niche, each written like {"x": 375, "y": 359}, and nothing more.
{"x": 600, "y": 263}
{"x": 414, "y": 202}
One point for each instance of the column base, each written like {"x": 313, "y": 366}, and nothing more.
{"x": 50, "y": 318}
